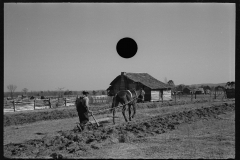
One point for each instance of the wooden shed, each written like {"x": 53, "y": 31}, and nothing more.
{"x": 155, "y": 90}
{"x": 187, "y": 90}
{"x": 230, "y": 89}
{"x": 199, "y": 91}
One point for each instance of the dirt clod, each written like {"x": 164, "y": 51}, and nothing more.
{"x": 77, "y": 143}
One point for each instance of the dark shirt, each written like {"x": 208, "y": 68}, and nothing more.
{"x": 83, "y": 108}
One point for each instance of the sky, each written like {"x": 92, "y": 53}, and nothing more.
{"x": 73, "y": 45}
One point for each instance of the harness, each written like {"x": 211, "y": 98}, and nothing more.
{"x": 130, "y": 94}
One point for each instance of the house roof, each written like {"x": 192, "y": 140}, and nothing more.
{"x": 201, "y": 89}
{"x": 145, "y": 79}
{"x": 109, "y": 88}
{"x": 187, "y": 88}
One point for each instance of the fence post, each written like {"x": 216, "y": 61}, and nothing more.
{"x": 210, "y": 95}
{"x": 14, "y": 106}
{"x": 215, "y": 94}
{"x": 50, "y": 103}
{"x": 191, "y": 97}
{"x": 175, "y": 95}
{"x": 195, "y": 95}
{"x": 34, "y": 104}
{"x": 162, "y": 98}
{"x": 224, "y": 95}
{"x": 65, "y": 101}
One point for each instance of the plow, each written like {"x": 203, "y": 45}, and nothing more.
{"x": 103, "y": 110}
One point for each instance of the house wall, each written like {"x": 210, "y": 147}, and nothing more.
{"x": 186, "y": 91}
{"x": 164, "y": 94}
{"x": 230, "y": 93}
{"x": 122, "y": 84}
{"x": 130, "y": 84}
{"x": 167, "y": 95}
{"x": 147, "y": 91}
{"x": 160, "y": 91}
{"x": 116, "y": 86}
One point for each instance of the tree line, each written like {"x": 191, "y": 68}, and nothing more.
{"x": 180, "y": 87}
{"x": 58, "y": 93}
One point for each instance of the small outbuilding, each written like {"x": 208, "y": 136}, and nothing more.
{"x": 207, "y": 91}
{"x": 32, "y": 97}
{"x": 199, "y": 91}
{"x": 155, "y": 90}
{"x": 186, "y": 90}
{"x": 230, "y": 89}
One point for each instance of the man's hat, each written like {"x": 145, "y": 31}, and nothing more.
{"x": 85, "y": 92}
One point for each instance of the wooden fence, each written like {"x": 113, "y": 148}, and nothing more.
{"x": 220, "y": 95}
{"x": 53, "y": 100}
{"x": 98, "y": 100}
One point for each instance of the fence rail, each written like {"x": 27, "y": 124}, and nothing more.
{"x": 50, "y": 102}
{"x": 53, "y": 102}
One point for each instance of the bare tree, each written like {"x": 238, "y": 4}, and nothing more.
{"x": 230, "y": 85}
{"x": 59, "y": 91}
{"x": 25, "y": 90}
{"x": 171, "y": 83}
{"x": 11, "y": 89}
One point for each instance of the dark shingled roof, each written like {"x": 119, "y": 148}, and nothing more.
{"x": 145, "y": 79}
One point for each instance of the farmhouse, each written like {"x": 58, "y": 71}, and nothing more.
{"x": 155, "y": 90}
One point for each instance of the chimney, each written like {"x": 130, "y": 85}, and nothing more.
{"x": 122, "y": 83}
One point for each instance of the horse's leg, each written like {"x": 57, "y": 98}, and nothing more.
{"x": 123, "y": 112}
{"x": 129, "y": 111}
{"x": 134, "y": 109}
{"x": 113, "y": 116}
{"x": 115, "y": 103}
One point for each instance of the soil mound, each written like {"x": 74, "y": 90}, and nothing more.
{"x": 74, "y": 143}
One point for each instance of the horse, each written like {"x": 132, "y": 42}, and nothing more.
{"x": 125, "y": 97}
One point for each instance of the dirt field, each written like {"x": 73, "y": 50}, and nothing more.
{"x": 155, "y": 133}
{"x": 208, "y": 138}
{"x": 22, "y": 117}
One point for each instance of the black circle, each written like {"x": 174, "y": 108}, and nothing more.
{"x": 127, "y": 47}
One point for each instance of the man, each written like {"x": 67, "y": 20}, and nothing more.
{"x": 82, "y": 106}
{"x": 141, "y": 95}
